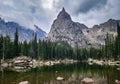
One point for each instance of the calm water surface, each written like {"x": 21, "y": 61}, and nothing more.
{"x": 72, "y": 73}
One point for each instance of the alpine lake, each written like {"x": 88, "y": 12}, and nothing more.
{"x": 72, "y": 74}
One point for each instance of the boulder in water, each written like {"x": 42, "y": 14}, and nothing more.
{"x": 60, "y": 78}
{"x": 117, "y": 82}
{"x": 24, "y": 82}
{"x": 87, "y": 81}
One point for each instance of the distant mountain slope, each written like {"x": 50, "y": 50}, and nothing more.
{"x": 77, "y": 34}
{"x": 9, "y": 28}
{"x": 97, "y": 33}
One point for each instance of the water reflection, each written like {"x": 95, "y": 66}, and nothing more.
{"x": 72, "y": 74}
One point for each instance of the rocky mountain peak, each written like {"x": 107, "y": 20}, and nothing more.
{"x": 1, "y": 20}
{"x": 77, "y": 34}
{"x": 38, "y": 30}
{"x": 64, "y": 29}
{"x": 110, "y": 25}
{"x": 63, "y": 15}
{"x": 111, "y": 20}
{"x": 63, "y": 9}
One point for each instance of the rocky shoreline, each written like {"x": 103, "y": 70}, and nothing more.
{"x": 23, "y": 61}
{"x": 103, "y": 62}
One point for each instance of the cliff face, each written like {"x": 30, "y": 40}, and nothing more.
{"x": 97, "y": 33}
{"x": 77, "y": 34}
{"x": 64, "y": 29}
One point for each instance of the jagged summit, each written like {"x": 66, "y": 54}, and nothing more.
{"x": 63, "y": 15}
{"x": 1, "y": 20}
{"x": 64, "y": 29}
{"x": 77, "y": 34}
{"x": 63, "y": 9}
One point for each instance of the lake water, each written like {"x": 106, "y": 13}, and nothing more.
{"x": 72, "y": 74}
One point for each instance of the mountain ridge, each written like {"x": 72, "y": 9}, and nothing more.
{"x": 77, "y": 34}
{"x": 8, "y": 28}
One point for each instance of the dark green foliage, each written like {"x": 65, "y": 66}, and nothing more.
{"x": 16, "y": 44}
{"x": 117, "y": 43}
{"x": 25, "y": 48}
{"x": 46, "y": 50}
{"x": 6, "y": 47}
{"x": 1, "y": 46}
{"x": 34, "y": 46}
{"x": 112, "y": 45}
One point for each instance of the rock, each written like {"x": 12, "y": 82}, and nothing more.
{"x": 56, "y": 71}
{"x": 117, "y": 63}
{"x": 18, "y": 67}
{"x": 47, "y": 63}
{"x": 59, "y": 78}
{"x": 10, "y": 64}
{"x": 118, "y": 68}
{"x": 4, "y": 64}
{"x": 87, "y": 81}
{"x": 99, "y": 62}
{"x": 24, "y": 82}
{"x": 21, "y": 61}
{"x": 117, "y": 81}
{"x": 22, "y": 58}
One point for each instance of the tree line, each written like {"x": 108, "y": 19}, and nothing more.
{"x": 47, "y": 50}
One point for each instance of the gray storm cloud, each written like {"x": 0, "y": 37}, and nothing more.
{"x": 43, "y": 12}
{"x": 88, "y": 5}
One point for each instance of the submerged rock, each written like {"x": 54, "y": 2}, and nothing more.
{"x": 118, "y": 68}
{"x": 59, "y": 78}
{"x": 117, "y": 82}
{"x": 87, "y": 81}
{"x": 24, "y": 82}
{"x": 4, "y": 64}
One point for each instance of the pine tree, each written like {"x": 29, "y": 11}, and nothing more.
{"x": 107, "y": 46}
{"x": 1, "y": 46}
{"x": 118, "y": 39}
{"x": 16, "y": 45}
{"x": 24, "y": 48}
{"x": 7, "y": 49}
{"x": 34, "y": 46}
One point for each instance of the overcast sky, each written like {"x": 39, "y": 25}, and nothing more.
{"x": 43, "y": 12}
